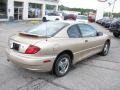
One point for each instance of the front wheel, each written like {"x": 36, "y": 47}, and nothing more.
{"x": 105, "y": 49}
{"x": 116, "y": 35}
{"x": 62, "y": 65}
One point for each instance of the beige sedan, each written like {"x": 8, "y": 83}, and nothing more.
{"x": 55, "y": 46}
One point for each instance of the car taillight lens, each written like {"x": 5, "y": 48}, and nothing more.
{"x": 32, "y": 49}
{"x": 116, "y": 26}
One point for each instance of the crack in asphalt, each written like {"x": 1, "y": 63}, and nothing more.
{"x": 100, "y": 67}
{"x": 58, "y": 85}
{"x": 107, "y": 60}
{"x": 37, "y": 86}
{"x": 42, "y": 84}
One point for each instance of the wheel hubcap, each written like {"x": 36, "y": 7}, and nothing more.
{"x": 106, "y": 48}
{"x": 63, "y": 65}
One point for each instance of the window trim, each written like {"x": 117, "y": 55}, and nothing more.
{"x": 77, "y": 28}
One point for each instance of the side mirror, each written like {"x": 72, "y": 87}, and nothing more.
{"x": 99, "y": 34}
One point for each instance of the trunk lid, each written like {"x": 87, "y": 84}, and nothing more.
{"x": 22, "y": 41}
{"x": 28, "y": 38}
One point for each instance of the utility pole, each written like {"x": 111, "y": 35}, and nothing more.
{"x": 113, "y": 7}
{"x": 109, "y": 13}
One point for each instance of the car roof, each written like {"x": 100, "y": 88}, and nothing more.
{"x": 71, "y": 22}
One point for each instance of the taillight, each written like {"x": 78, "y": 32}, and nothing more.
{"x": 116, "y": 27}
{"x": 32, "y": 49}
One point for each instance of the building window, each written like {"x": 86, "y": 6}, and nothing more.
{"x": 52, "y": 0}
{"x": 18, "y": 4}
{"x": 50, "y": 9}
{"x": 3, "y": 9}
{"x": 35, "y": 10}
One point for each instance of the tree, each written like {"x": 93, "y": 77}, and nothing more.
{"x": 83, "y": 11}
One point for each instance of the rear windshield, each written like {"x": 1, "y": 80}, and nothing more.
{"x": 47, "y": 29}
{"x": 82, "y": 17}
{"x": 53, "y": 14}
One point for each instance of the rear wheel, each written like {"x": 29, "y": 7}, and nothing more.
{"x": 57, "y": 19}
{"x": 105, "y": 49}
{"x": 44, "y": 19}
{"x": 62, "y": 65}
{"x": 116, "y": 35}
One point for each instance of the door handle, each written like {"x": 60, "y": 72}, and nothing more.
{"x": 86, "y": 41}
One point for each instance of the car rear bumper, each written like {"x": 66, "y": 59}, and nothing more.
{"x": 42, "y": 64}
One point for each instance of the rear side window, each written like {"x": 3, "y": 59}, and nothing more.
{"x": 87, "y": 30}
{"x": 73, "y": 32}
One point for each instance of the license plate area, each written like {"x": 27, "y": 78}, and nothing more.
{"x": 16, "y": 46}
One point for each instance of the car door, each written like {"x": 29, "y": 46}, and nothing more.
{"x": 93, "y": 42}
{"x": 76, "y": 43}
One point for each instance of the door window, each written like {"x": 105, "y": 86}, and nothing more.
{"x": 73, "y": 32}
{"x": 87, "y": 30}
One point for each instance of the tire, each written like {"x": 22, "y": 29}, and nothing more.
{"x": 62, "y": 62}
{"x": 116, "y": 35}
{"x": 57, "y": 19}
{"x": 44, "y": 19}
{"x": 105, "y": 49}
